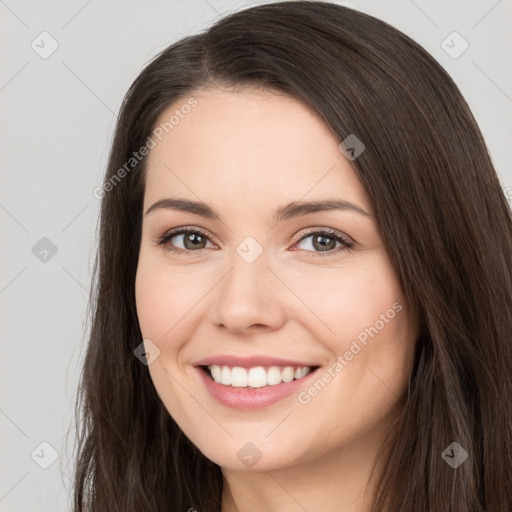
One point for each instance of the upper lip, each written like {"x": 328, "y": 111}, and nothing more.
{"x": 250, "y": 361}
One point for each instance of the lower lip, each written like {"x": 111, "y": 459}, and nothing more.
{"x": 251, "y": 399}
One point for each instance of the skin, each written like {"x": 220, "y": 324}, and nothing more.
{"x": 246, "y": 153}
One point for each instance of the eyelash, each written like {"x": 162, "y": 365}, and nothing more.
{"x": 346, "y": 243}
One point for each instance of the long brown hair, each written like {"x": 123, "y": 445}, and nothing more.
{"x": 444, "y": 220}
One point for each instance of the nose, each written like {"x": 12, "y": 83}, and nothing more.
{"x": 248, "y": 298}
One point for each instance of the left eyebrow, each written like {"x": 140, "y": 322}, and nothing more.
{"x": 294, "y": 209}
{"x": 297, "y": 209}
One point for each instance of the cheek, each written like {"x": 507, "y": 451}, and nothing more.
{"x": 151, "y": 301}
{"x": 372, "y": 351}
{"x": 346, "y": 300}
{"x": 360, "y": 315}
{"x": 164, "y": 308}
{"x": 168, "y": 300}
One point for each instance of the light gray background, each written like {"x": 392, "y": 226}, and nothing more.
{"x": 56, "y": 125}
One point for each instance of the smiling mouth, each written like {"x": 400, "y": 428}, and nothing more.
{"x": 256, "y": 377}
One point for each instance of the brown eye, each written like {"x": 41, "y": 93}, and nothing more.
{"x": 321, "y": 242}
{"x": 324, "y": 242}
{"x": 191, "y": 239}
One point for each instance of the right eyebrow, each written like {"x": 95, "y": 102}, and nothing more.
{"x": 185, "y": 205}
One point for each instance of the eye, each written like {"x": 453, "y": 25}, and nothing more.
{"x": 193, "y": 240}
{"x": 324, "y": 241}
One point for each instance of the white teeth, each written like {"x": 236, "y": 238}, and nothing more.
{"x": 273, "y": 376}
{"x": 301, "y": 372}
{"x": 238, "y": 377}
{"x": 288, "y": 374}
{"x": 225, "y": 376}
{"x": 256, "y": 377}
{"x": 216, "y": 373}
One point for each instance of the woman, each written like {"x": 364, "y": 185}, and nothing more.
{"x": 303, "y": 290}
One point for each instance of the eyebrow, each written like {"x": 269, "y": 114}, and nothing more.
{"x": 294, "y": 209}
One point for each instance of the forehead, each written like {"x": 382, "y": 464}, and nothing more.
{"x": 261, "y": 145}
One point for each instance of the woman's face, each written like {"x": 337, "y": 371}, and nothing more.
{"x": 262, "y": 285}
